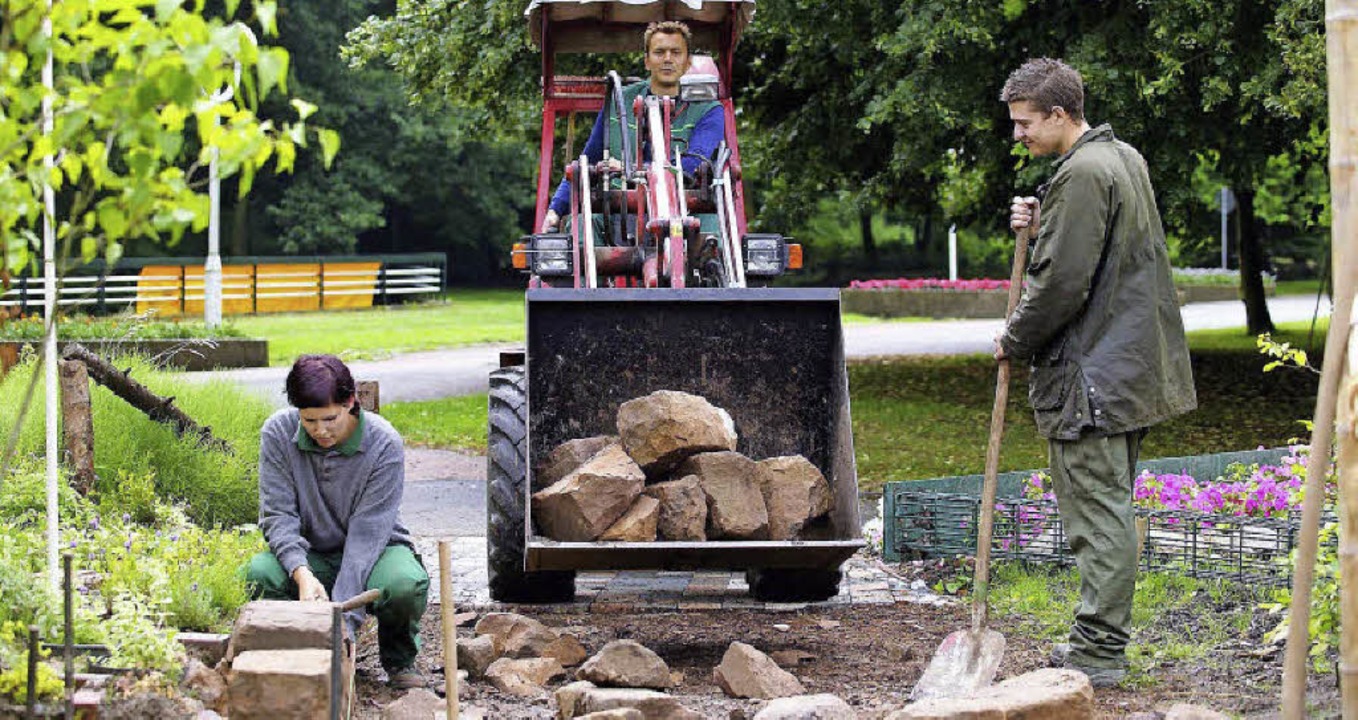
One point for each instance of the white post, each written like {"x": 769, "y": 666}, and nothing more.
{"x": 49, "y": 305}
{"x": 212, "y": 267}
{"x": 952, "y": 252}
{"x": 1224, "y": 212}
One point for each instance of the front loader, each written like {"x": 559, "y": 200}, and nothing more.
{"x": 654, "y": 285}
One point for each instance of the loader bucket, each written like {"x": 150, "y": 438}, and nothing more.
{"x": 773, "y": 358}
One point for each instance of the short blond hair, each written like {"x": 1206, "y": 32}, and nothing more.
{"x": 667, "y": 27}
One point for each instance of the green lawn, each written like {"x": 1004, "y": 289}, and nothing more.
{"x": 464, "y": 317}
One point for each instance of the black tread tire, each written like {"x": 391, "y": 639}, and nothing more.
{"x": 793, "y": 584}
{"x": 506, "y": 476}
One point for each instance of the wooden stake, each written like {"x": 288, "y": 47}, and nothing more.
{"x": 77, "y": 424}
{"x": 1341, "y": 23}
{"x": 448, "y": 609}
{"x": 368, "y": 397}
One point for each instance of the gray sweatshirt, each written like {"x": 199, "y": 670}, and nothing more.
{"x": 343, "y": 500}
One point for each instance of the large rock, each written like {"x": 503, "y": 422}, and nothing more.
{"x": 1050, "y": 693}
{"x": 207, "y": 684}
{"x": 626, "y": 663}
{"x": 566, "y": 649}
{"x": 616, "y": 714}
{"x": 272, "y": 684}
{"x": 735, "y": 505}
{"x": 567, "y": 457}
{"x": 281, "y": 625}
{"x": 476, "y": 654}
{"x": 654, "y": 705}
{"x": 807, "y": 707}
{"x": 515, "y": 635}
{"x": 660, "y": 430}
{"x": 638, "y": 524}
{"x": 748, "y": 673}
{"x": 582, "y": 505}
{"x": 568, "y": 696}
{"x": 794, "y": 492}
{"x": 683, "y": 509}
{"x": 524, "y": 676}
{"x": 416, "y": 704}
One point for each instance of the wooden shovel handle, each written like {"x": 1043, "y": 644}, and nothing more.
{"x": 359, "y": 600}
{"x": 980, "y": 609}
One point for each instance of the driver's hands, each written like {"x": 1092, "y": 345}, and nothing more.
{"x": 614, "y": 165}
{"x": 550, "y": 221}
{"x": 1021, "y": 212}
{"x": 308, "y": 587}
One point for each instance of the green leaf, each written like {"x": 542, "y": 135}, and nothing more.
{"x": 272, "y": 70}
{"x": 231, "y": 6}
{"x": 89, "y": 248}
{"x": 113, "y": 252}
{"x": 304, "y": 108}
{"x": 166, "y": 8}
{"x": 112, "y": 219}
{"x": 330, "y": 145}
{"x": 267, "y": 12}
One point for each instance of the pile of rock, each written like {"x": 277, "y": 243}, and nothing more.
{"x": 672, "y": 473}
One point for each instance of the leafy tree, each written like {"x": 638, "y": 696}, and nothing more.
{"x": 132, "y": 104}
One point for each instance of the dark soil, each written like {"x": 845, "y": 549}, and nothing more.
{"x": 871, "y": 656}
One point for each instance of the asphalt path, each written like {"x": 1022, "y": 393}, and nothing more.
{"x": 463, "y": 371}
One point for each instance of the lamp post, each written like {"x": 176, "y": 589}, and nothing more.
{"x": 212, "y": 266}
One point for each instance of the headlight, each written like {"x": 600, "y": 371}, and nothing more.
{"x": 764, "y": 255}
{"x": 551, "y": 254}
{"x": 698, "y": 88}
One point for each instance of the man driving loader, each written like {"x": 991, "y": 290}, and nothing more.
{"x": 698, "y": 125}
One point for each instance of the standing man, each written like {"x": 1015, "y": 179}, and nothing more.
{"x": 1100, "y": 324}
{"x": 330, "y": 483}
{"x": 699, "y": 126}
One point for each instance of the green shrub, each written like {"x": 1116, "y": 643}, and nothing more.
{"x": 217, "y": 487}
{"x": 115, "y": 327}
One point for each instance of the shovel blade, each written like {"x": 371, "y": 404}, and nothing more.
{"x": 966, "y": 662}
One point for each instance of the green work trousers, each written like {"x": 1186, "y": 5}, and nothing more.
{"x": 1093, "y": 478}
{"x": 398, "y": 573}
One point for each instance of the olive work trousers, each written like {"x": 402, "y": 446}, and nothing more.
{"x": 1094, "y": 479}
{"x": 398, "y": 573}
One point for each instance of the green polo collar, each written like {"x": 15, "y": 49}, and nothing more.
{"x": 348, "y": 447}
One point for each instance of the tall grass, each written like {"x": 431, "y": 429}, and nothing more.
{"x": 217, "y": 487}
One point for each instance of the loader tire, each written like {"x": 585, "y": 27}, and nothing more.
{"x": 793, "y": 584}
{"x": 506, "y": 480}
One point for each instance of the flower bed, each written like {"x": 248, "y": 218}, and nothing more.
{"x": 926, "y": 297}
{"x": 1240, "y": 525}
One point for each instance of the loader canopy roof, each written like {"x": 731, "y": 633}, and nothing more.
{"x": 608, "y": 26}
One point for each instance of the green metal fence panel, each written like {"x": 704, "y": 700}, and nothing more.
{"x": 939, "y": 517}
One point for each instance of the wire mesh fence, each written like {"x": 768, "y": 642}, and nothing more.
{"x": 1245, "y": 549}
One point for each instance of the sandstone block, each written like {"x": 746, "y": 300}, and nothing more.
{"x": 271, "y": 684}
{"x": 662, "y": 429}
{"x": 280, "y": 625}
{"x": 638, "y": 524}
{"x": 747, "y": 672}
{"x": 683, "y": 509}
{"x": 618, "y": 714}
{"x": 566, "y": 649}
{"x": 210, "y": 648}
{"x": 807, "y": 707}
{"x": 582, "y": 505}
{"x": 654, "y": 705}
{"x": 524, "y": 676}
{"x": 567, "y": 457}
{"x": 568, "y": 696}
{"x": 515, "y": 635}
{"x": 735, "y": 504}
{"x": 794, "y": 492}
{"x": 1050, "y": 693}
{"x": 207, "y": 684}
{"x": 476, "y": 654}
{"x": 626, "y": 663}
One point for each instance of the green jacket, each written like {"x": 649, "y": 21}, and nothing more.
{"x": 1099, "y": 319}
{"x": 682, "y": 122}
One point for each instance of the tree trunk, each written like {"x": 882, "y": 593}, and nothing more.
{"x": 1257, "y": 318}
{"x": 865, "y": 232}
{"x": 157, "y": 408}
{"x": 240, "y": 227}
{"x": 77, "y": 424}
